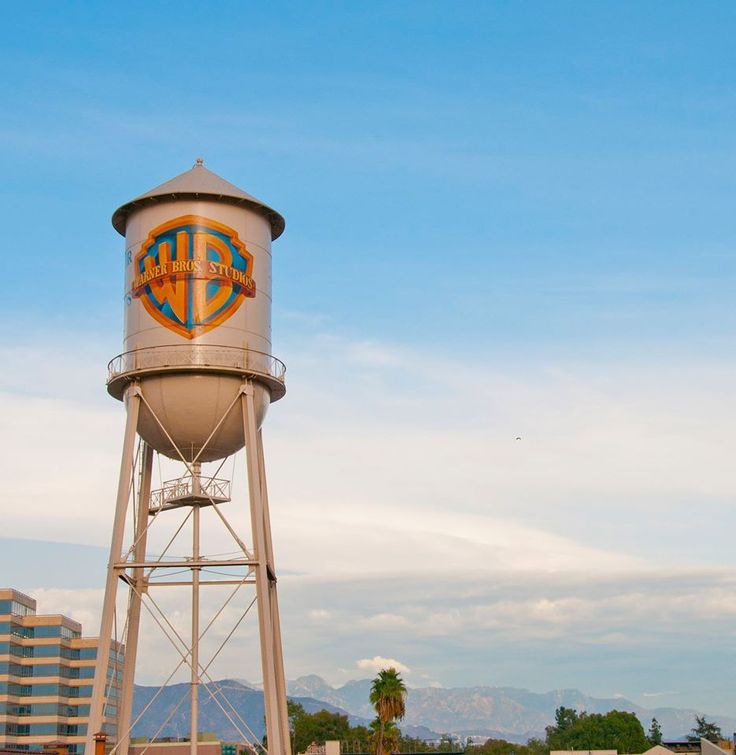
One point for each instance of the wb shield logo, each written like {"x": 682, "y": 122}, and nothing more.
{"x": 192, "y": 273}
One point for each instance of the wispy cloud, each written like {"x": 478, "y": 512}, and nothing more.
{"x": 431, "y": 531}
{"x": 379, "y": 663}
{"x": 659, "y": 694}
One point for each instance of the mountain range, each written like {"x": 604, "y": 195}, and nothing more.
{"x": 233, "y": 708}
{"x": 510, "y": 713}
{"x": 230, "y": 708}
{"x": 505, "y": 712}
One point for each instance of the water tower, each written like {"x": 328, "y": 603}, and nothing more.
{"x": 196, "y": 376}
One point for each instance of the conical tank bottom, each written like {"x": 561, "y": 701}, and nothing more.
{"x": 196, "y": 416}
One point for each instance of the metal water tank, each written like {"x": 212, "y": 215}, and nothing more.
{"x": 197, "y": 312}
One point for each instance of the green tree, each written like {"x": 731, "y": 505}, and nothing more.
{"x": 359, "y": 740}
{"x": 502, "y": 747}
{"x": 705, "y": 729}
{"x": 388, "y": 698}
{"x": 536, "y": 746}
{"x": 654, "y": 735}
{"x": 616, "y": 730}
{"x": 565, "y": 718}
{"x": 294, "y": 711}
{"x": 447, "y": 743}
{"x": 499, "y": 747}
{"x": 385, "y": 736}
{"x": 316, "y": 727}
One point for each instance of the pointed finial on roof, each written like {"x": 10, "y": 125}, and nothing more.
{"x": 199, "y": 162}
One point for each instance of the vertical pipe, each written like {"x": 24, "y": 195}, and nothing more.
{"x": 275, "y": 620}
{"x": 97, "y": 702}
{"x": 195, "y": 629}
{"x": 196, "y": 478}
{"x": 125, "y": 704}
{"x": 274, "y": 728}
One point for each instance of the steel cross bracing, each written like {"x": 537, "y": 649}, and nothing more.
{"x": 139, "y": 572}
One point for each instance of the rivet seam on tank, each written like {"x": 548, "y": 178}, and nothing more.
{"x": 191, "y": 274}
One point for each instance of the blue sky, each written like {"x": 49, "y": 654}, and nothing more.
{"x": 502, "y": 219}
{"x": 566, "y": 165}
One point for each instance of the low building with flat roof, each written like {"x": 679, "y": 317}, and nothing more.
{"x": 207, "y": 744}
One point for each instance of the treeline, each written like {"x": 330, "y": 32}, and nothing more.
{"x": 615, "y": 730}
{"x": 502, "y": 747}
{"x": 323, "y": 725}
{"x": 572, "y": 730}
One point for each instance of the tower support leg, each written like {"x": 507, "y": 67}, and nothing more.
{"x": 97, "y": 703}
{"x": 274, "y": 685}
{"x": 273, "y": 590}
{"x": 125, "y": 705}
{"x": 193, "y": 741}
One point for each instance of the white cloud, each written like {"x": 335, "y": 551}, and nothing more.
{"x": 379, "y": 663}
{"x": 658, "y": 694}
{"x": 411, "y": 462}
{"x": 399, "y": 471}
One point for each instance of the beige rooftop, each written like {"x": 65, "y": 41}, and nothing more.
{"x": 198, "y": 183}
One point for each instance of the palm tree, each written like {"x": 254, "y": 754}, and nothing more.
{"x": 388, "y": 697}
{"x": 384, "y": 736}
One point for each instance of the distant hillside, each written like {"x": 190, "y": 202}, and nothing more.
{"x": 247, "y": 703}
{"x": 505, "y": 712}
{"x": 508, "y": 712}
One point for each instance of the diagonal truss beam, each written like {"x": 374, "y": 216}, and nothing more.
{"x": 137, "y": 569}
{"x": 190, "y": 469}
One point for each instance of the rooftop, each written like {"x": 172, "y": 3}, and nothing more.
{"x": 198, "y": 183}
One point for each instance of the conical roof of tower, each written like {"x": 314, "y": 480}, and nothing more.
{"x": 198, "y": 183}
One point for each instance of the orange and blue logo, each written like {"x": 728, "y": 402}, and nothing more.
{"x": 192, "y": 274}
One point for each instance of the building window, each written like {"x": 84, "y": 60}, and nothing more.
{"x": 46, "y": 651}
{"x": 42, "y": 730}
{"x": 18, "y": 730}
{"x": 14, "y": 669}
{"x": 47, "y": 670}
{"x": 37, "y": 690}
{"x": 20, "y": 609}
